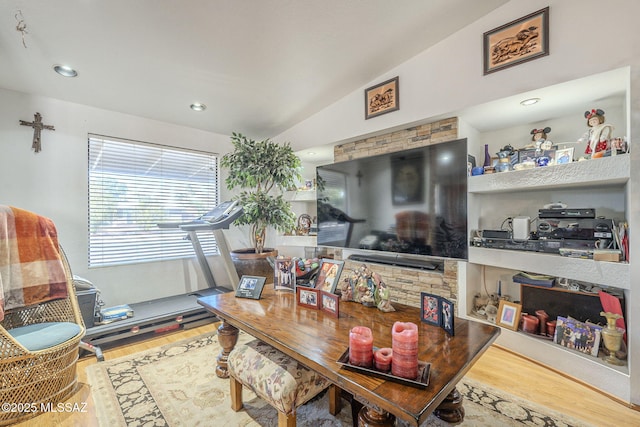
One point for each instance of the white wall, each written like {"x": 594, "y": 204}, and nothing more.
{"x": 448, "y": 77}
{"x": 53, "y": 183}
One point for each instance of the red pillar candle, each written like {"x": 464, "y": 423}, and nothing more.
{"x": 530, "y": 323}
{"x": 382, "y": 359}
{"x": 361, "y": 347}
{"x": 404, "y": 343}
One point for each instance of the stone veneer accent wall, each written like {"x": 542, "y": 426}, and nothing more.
{"x": 405, "y": 284}
{"x": 418, "y": 136}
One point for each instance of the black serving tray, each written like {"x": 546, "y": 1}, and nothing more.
{"x": 424, "y": 369}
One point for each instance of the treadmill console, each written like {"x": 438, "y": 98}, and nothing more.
{"x": 220, "y": 212}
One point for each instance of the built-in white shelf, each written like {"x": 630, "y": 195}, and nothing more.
{"x": 297, "y": 241}
{"x": 605, "y": 171}
{"x": 614, "y": 274}
{"x": 300, "y": 196}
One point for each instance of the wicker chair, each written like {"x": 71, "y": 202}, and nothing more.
{"x": 40, "y": 378}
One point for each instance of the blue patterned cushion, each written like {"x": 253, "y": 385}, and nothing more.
{"x": 274, "y": 376}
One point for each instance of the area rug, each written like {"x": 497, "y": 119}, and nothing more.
{"x": 176, "y": 385}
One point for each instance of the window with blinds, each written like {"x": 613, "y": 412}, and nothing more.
{"x": 133, "y": 186}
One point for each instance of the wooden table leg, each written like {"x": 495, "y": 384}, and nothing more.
{"x": 369, "y": 417}
{"x": 227, "y": 338}
{"x": 451, "y": 410}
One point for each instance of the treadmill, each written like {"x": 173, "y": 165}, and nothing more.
{"x": 178, "y": 311}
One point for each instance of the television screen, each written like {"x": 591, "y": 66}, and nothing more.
{"x": 413, "y": 202}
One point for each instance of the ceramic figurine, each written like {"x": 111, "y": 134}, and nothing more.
{"x": 382, "y": 298}
{"x": 539, "y": 139}
{"x": 598, "y": 135}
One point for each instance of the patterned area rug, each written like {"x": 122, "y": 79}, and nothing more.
{"x": 176, "y": 385}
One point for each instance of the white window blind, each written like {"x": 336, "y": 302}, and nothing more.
{"x": 133, "y": 186}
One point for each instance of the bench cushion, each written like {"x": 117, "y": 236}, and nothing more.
{"x": 283, "y": 382}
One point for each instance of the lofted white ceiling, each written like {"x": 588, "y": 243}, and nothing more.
{"x": 260, "y": 66}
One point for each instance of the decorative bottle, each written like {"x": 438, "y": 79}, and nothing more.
{"x": 487, "y": 156}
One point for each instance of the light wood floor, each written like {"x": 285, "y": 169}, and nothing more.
{"x": 498, "y": 367}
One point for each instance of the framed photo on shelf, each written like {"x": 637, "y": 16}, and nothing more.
{"x": 328, "y": 275}
{"x": 509, "y": 315}
{"x": 284, "y": 274}
{"x": 382, "y": 98}
{"x": 446, "y": 315}
{"x": 564, "y": 156}
{"x": 518, "y": 41}
{"x": 330, "y": 303}
{"x": 430, "y": 308}
{"x": 579, "y": 336}
{"x": 308, "y": 297}
{"x": 250, "y": 287}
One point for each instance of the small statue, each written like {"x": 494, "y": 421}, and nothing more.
{"x": 539, "y": 139}
{"x": 599, "y": 133}
{"x": 347, "y": 290}
{"x": 382, "y": 298}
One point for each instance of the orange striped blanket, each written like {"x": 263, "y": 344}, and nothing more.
{"x": 31, "y": 269}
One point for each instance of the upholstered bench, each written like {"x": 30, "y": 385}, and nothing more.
{"x": 278, "y": 379}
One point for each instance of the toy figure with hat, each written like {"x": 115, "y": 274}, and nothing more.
{"x": 539, "y": 138}
{"x": 598, "y": 135}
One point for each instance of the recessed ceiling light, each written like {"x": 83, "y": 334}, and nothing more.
{"x": 65, "y": 71}
{"x": 312, "y": 153}
{"x": 198, "y": 107}
{"x": 530, "y": 101}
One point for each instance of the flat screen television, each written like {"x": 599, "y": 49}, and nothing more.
{"x": 410, "y": 202}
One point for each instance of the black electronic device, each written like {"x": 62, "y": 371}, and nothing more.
{"x": 527, "y": 245}
{"x": 567, "y": 213}
{"x": 413, "y": 200}
{"x": 496, "y": 234}
{"x": 575, "y": 228}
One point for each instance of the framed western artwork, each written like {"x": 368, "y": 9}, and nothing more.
{"x": 308, "y": 297}
{"x": 250, "y": 287}
{"x": 382, "y": 98}
{"x": 284, "y": 274}
{"x": 330, "y": 303}
{"x": 430, "y": 309}
{"x": 516, "y": 42}
{"x": 329, "y": 274}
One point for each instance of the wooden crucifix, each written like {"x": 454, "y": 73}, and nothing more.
{"x": 37, "y": 126}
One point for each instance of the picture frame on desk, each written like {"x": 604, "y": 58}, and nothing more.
{"x": 330, "y": 303}
{"x": 446, "y": 315}
{"x": 284, "y": 274}
{"x": 430, "y": 308}
{"x": 509, "y": 315}
{"x": 250, "y": 287}
{"x": 328, "y": 275}
{"x": 308, "y": 297}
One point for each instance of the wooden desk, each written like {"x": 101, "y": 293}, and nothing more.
{"x": 317, "y": 340}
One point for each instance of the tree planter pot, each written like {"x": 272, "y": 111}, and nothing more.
{"x": 248, "y": 263}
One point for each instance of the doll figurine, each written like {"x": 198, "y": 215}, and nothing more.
{"x": 599, "y": 133}
{"x": 539, "y": 138}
